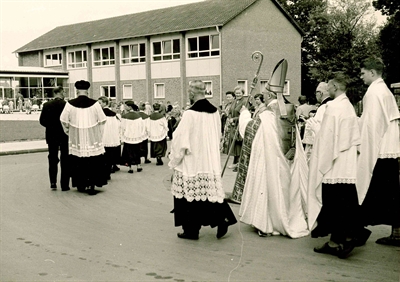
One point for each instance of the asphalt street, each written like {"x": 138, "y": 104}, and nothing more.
{"x": 126, "y": 233}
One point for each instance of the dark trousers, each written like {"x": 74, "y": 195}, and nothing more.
{"x": 193, "y": 215}
{"x": 339, "y": 212}
{"x": 382, "y": 202}
{"x": 54, "y": 148}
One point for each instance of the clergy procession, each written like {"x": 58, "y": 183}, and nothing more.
{"x": 332, "y": 173}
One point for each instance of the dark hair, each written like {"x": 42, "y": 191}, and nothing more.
{"x": 259, "y": 95}
{"x": 341, "y": 79}
{"x": 230, "y": 93}
{"x": 135, "y": 107}
{"x": 58, "y": 90}
{"x": 156, "y": 106}
{"x": 373, "y": 63}
{"x": 104, "y": 99}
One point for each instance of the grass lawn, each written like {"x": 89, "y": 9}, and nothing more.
{"x": 20, "y": 130}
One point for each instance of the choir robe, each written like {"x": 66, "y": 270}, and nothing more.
{"x": 378, "y": 168}
{"x": 158, "y": 131}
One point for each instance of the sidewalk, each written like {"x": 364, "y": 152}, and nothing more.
{"x": 22, "y": 147}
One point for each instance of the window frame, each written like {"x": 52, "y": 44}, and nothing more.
{"x": 103, "y": 62}
{"x": 123, "y": 92}
{"x": 140, "y": 58}
{"x": 59, "y": 59}
{"x": 163, "y": 55}
{"x": 246, "y": 93}
{"x": 108, "y": 91}
{"x": 210, "y": 49}
{"x": 155, "y": 90}
{"x": 73, "y": 65}
{"x": 209, "y": 82}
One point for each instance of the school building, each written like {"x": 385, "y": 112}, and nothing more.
{"x": 153, "y": 55}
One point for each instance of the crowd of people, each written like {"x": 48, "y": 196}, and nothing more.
{"x": 338, "y": 176}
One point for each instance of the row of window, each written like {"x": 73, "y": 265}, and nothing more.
{"x": 159, "y": 89}
{"x": 200, "y": 46}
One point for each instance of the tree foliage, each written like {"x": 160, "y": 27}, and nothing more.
{"x": 389, "y": 42}
{"x": 387, "y": 7}
{"x": 339, "y": 35}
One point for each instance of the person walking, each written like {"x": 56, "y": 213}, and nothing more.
{"x": 83, "y": 120}
{"x": 199, "y": 198}
{"x": 56, "y": 139}
{"x": 158, "y": 131}
{"x": 332, "y": 195}
{"x": 378, "y": 164}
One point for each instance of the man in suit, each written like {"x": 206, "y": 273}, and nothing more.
{"x": 56, "y": 139}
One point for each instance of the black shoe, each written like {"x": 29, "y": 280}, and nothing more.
{"x": 235, "y": 169}
{"x": 65, "y": 189}
{"x": 147, "y": 161}
{"x": 53, "y": 186}
{"x": 115, "y": 168}
{"x": 326, "y": 249}
{"x": 346, "y": 249}
{"x": 130, "y": 171}
{"x": 139, "y": 169}
{"x": 389, "y": 241}
{"x": 159, "y": 161}
{"x": 362, "y": 237}
{"x": 222, "y": 230}
{"x": 186, "y": 236}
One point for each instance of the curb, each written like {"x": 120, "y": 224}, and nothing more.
{"x": 26, "y": 151}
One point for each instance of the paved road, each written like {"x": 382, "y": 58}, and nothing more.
{"x": 126, "y": 233}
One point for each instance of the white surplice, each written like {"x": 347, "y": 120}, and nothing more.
{"x": 334, "y": 156}
{"x": 379, "y": 126}
{"x": 270, "y": 203}
{"x": 195, "y": 158}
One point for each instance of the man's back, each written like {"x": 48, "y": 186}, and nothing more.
{"x": 50, "y": 118}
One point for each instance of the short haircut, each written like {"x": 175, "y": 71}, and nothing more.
{"x": 238, "y": 88}
{"x": 259, "y": 95}
{"x": 230, "y": 93}
{"x": 156, "y": 106}
{"x": 373, "y": 63}
{"x": 58, "y": 90}
{"x": 198, "y": 87}
{"x": 341, "y": 79}
{"x": 104, "y": 99}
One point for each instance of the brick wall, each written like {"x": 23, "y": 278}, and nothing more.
{"x": 262, "y": 27}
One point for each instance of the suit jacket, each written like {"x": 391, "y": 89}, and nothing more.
{"x": 50, "y": 119}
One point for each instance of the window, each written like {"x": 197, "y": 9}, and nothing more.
{"x": 108, "y": 91}
{"x": 134, "y": 53}
{"x": 53, "y": 60}
{"x": 286, "y": 88}
{"x": 243, "y": 84}
{"x": 77, "y": 59}
{"x": 203, "y": 46}
{"x": 127, "y": 91}
{"x": 209, "y": 89}
{"x": 159, "y": 90}
{"x": 166, "y": 50}
{"x": 103, "y": 56}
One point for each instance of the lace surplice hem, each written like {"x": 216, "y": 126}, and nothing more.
{"x": 201, "y": 187}
{"x": 389, "y": 156}
{"x": 339, "y": 181}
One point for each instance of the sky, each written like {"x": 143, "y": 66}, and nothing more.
{"x": 23, "y": 21}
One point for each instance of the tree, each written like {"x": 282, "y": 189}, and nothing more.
{"x": 347, "y": 36}
{"x": 387, "y": 7}
{"x": 302, "y": 11}
{"x": 389, "y": 42}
